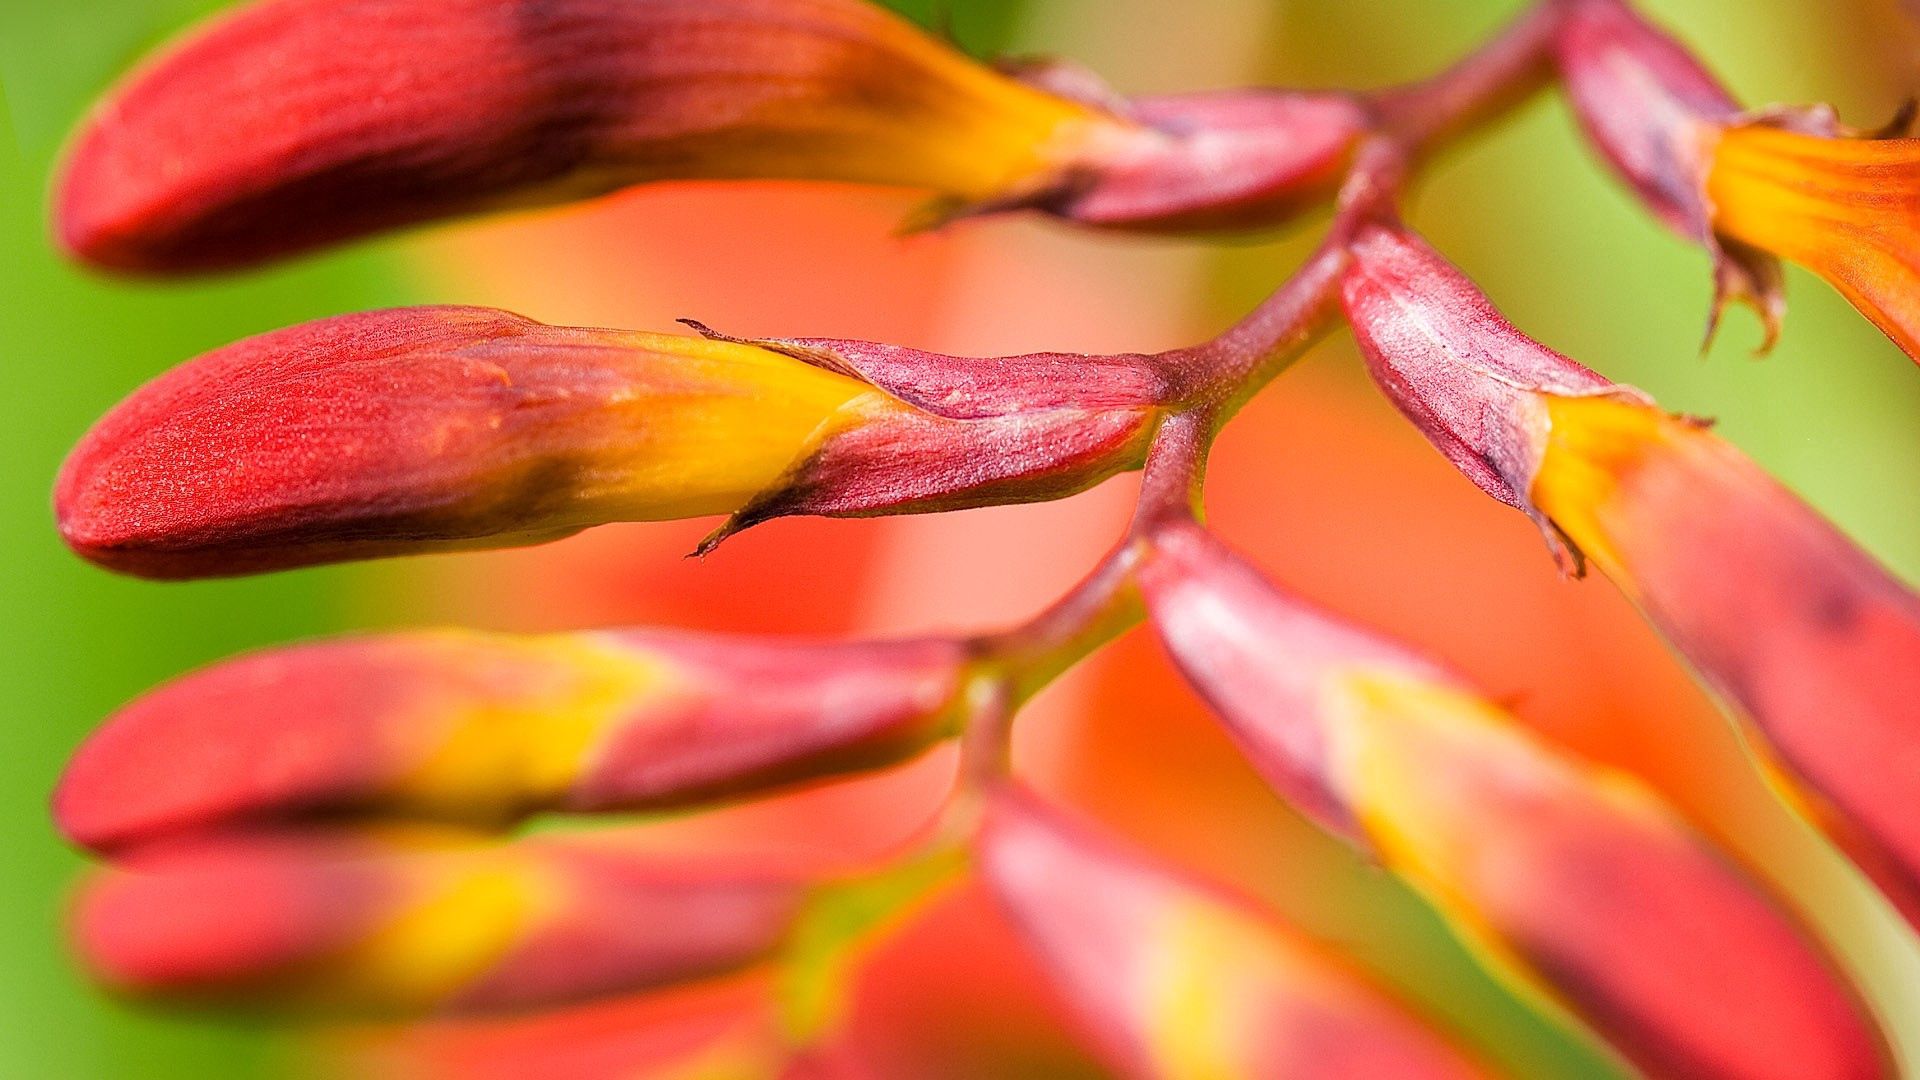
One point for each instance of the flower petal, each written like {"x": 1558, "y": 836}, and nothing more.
{"x": 398, "y": 926}
{"x": 1576, "y": 883}
{"x": 1848, "y": 209}
{"x": 1808, "y": 638}
{"x": 1175, "y": 979}
{"x": 486, "y": 729}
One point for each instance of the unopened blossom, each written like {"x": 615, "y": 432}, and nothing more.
{"x": 1750, "y": 185}
{"x": 1814, "y": 643}
{"x": 1175, "y": 979}
{"x": 407, "y": 923}
{"x": 443, "y": 428}
{"x": 292, "y": 124}
{"x": 485, "y": 729}
{"x": 1578, "y": 884}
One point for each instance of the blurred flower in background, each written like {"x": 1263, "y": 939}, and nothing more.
{"x": 1318, "y": 482}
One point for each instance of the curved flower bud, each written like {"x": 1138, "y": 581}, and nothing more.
{"x": 1750, "y": 185}
{"x": 446, "y": 428}
{"x": 485, "y": 729}
{"x": 1653, "y": 111}
{"x": 1814, "y": 643}
{"x": 1809, "y": 639}
{"x": 292, "y": 124}
{"x": 1576, "y": 883}
{"x": 405, "y": 925}
{"x": 1175, "y": 979}
{"x": 1846, "y": 208}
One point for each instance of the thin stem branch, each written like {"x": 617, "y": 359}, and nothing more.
{"x": 1213, "y": 379}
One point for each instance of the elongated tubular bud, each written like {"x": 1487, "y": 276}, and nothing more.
{"x": 1812, "y": 642}
{"x": 420, "y": 429}
{"x": 484, "y": 729}
{"x": 397, "y": 927}
{"x": 1576, "y": 883}
{"x": 434, "y": 429}
{"x": 293, "y": 124}
{"x": 1654, "y": 112}
{"x": 1173, "y": 978}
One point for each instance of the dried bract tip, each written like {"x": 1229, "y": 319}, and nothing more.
{"x": 397, "y": 926}
{"x": 486, "y": 729}
{"x": 1173, "y": 978}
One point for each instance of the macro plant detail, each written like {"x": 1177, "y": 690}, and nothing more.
{"x": 343, "y": 828}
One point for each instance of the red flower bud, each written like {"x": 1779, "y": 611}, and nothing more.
{"x": 434, "y": 429}
{"x": 293, "y": 124}
{"x": 1806, "y": 635}
{"x": 1577, "y": 884}
{"x": 486, "y": 729}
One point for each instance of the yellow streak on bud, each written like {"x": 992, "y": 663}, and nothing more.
{"x": 494, "y": 763}
{"x": 1446, "y": 786}
{"x": 1205, "y": 1003}
{"x": 1593, "y": 445}
{"x": 723, "y": 423}
{"x": 467, "y": 915}
{"x": 971, "y": 132}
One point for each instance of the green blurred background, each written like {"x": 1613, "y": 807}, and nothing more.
{"x": 1834, "y": 413}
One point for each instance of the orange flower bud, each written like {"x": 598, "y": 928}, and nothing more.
{"x": 1846, "y": 208}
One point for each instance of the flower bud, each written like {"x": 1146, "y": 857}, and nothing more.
{"x": 1175, "y": 979}
{"x": 1653, "y": 112}
{"x": 397, "y": 926}
{"x": 485, "y": 729}
{"x": 1576, "y": 883}
{"x": 1814, "y": 643}
{"x": 436, "y": 429}
{"x": 289, "y": 125}
{"x": 1811, "y": 640}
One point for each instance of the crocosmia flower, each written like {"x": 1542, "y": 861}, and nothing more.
{"x": 433, "y": 429}
{"x": 1579, "y": 884}
{"x": 1175, "y": 979}
{"x": 1809, "y": 639}
{"x": 291, "y": 124}
{"x": 484, "y": 730}
{"x": 1785, "y": 181}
